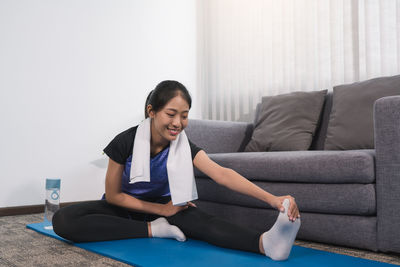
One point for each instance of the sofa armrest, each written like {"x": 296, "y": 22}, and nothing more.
{"x": 219, "y": 136}
{"x": 387, "y": 146}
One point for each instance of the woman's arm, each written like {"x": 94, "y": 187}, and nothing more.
{"x": 116, "y": 197}
{"x": 234, "y": 181}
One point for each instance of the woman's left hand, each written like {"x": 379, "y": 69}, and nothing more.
{"x": 293, "y": 212}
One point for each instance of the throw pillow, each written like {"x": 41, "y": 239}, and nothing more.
{"x": 287, "y": 122}
{"x": 351, "y": 124}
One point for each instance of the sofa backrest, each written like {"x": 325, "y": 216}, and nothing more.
{"x": 320, "y": 133}
{"x": 219, "y": 136}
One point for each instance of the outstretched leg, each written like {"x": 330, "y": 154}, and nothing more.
{"x": 275, "y": 243}
{"x": 199, "y": 225}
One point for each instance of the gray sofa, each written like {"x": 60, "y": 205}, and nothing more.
{"x": 348, "y": 198}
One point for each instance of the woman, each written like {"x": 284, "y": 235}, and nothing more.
{"x": 145, "y": 208}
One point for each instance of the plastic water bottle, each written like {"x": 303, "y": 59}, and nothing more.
{"x": 52, "y": 202}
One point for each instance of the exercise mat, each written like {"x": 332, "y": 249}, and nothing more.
{"x": 169, "y": 252}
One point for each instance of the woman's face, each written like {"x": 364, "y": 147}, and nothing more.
{"x": 170, "y": 120}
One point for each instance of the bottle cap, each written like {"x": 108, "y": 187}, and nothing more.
{"x": 53, "y": 183}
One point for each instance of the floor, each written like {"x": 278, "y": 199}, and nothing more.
{"x": 20, "y": 246}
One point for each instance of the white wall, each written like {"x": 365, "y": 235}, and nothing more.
{"x": 75, "y": 73}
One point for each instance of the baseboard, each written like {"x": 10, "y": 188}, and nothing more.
{"x": 31, "y": 209}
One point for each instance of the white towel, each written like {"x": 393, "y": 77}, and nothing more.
{"x": 181, "y": 180}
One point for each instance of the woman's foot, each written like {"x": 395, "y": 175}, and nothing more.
{"x": 161, "y": 228}
{"x": 278, "y": 241}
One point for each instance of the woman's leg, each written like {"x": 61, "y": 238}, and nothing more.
{"x": 199, "y": 225}
{"x": 98, "y": 221}
{"x": 275, "y": 243}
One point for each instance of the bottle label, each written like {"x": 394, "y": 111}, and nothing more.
{"x": 53, "y": 196}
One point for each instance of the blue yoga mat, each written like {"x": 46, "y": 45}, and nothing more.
{"x": 168, "y": 252}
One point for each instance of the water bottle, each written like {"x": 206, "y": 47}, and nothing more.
{"x": 52, "y": 202}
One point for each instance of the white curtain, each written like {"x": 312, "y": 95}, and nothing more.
{"x": 252, "y": 48}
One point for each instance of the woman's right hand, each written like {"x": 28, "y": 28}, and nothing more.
{"x": 293, "y": 212}
{"x": 169, "y": 209}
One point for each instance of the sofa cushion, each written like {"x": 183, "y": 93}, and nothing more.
{"x": 353, "y": 199}
{"x": 351, "y": 118}
{"x": 287, "y": 122}
{"x": 351, "y": 166}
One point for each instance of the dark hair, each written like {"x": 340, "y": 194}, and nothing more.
{"x": 163, "y": 93}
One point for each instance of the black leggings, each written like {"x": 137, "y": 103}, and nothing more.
{"x": 101, "y": 221}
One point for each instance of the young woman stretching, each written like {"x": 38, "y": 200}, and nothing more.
{"x": 145, "y": 209}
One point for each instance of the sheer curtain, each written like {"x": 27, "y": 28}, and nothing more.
{"x": 248, "y": 49}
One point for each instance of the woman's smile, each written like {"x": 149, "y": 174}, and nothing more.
{"x": 173, "y": 131}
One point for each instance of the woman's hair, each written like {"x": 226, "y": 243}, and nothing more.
{"x": 163, "y": 93}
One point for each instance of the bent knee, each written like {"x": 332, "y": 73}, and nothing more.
{"x": 59, "y": 222}
{"x": 62, "y": 225}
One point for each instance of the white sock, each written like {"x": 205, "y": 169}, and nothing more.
{"x": 161, "y": 228}
{"x": 278, "y": 241}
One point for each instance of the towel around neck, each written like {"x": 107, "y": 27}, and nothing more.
{"x": 179, "y": 164}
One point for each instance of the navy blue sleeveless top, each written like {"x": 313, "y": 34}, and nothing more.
{"x": 120, "y": 150}
{"x": 158, "y": 185}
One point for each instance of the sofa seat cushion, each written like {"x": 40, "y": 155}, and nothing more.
{"x": 336, "y": 167}
{"x": 352, "y": 199}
